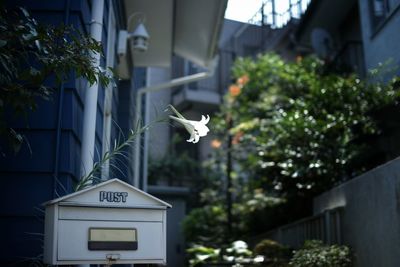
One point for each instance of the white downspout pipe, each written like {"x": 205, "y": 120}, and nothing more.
{"x": 154, "y": 88}
{"x": 90, "y": 102}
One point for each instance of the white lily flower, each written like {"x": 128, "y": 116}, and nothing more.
{"x": 196, "y": 129}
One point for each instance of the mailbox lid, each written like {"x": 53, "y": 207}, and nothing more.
{"x": 74, "y": 236}
{"x": 109, "y": 214}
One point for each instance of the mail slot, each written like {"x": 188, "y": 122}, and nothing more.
{"x": 112, "y": 239}
{"x": 112, "y": 222}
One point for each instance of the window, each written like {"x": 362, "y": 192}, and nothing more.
{"x": 380, "y": 10}
{"x": 192, "y": 69}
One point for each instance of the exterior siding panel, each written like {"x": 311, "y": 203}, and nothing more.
{"x": 29, "y": 177}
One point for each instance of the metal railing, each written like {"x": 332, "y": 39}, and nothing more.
{"x": 269, "y": 13}
{"x": 325, "y": 226}
{"x": 266, "y": 23}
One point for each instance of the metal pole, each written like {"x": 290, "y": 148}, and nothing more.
{"x": 273, "y": 13}
{"x": 229, "y": 179}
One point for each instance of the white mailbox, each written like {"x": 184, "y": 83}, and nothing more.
{"x": 109, "y": 223}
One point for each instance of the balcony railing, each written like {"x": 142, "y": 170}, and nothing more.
{"x": 277, "y": 14}
{"x": 202, "y": 96}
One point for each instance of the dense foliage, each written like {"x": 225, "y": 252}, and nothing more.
{"x": 209, "y": 225}
{"x": 174, "y": 169}
{"x": 237, "y": 252}
{"x": 33, "y": 58}
{"x": 274, "y": 253}
{"x": 298, "y": 130}
{"x": 269, "y": 253}
{"x": 293, "y": 130}
{"x": 316, "y": 254}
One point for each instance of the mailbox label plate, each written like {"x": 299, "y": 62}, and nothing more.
{"x": 112, "y": 239}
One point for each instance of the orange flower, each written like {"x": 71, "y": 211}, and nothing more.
{"x": 299, "y": 59}
{"x": 216, "y": 143}
{"x": 243, "y": 80}
{"x": 234, "y": 90}
{"x": 236, "y": 138}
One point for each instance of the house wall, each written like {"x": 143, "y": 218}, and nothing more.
{"x": 31, "y": 177}
{"x": 382, "y": 43}
{"x": 237, "y": 39}
{"x": 371, "y": 214}
{"x": 126, "y": 122}
{"x": 159, "y": 137}
{"x": 176, "y": 196}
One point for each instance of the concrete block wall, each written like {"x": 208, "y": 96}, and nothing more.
{"x": 371, "y": 214}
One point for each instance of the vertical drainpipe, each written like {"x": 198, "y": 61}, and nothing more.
{"x": 90, "y": 103}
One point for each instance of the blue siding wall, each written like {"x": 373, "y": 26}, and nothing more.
{"x": 30, "y": 177}
{"x": 125, "y": 123}
{"x": 126, "y": 120}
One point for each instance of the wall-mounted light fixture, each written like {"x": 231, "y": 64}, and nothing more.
{"x": 139, "y": 38}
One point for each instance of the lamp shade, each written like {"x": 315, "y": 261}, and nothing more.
{"x": 140, "y": 31}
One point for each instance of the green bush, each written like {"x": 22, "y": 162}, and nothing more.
{"x": 275, "y": 254}
{"x": 299, "y": 130}
{"x": 206, "y": 225}
{"x": 316, "y": 254}
{"x": 236, "y": 252}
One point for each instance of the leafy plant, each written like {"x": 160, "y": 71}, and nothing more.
{"x": 201, "y": 254}
{"x": 237, "y": 252}
{"x": 36, "y": 58}
{"x": 208, "y": 225}
{"x": 275, "y": 254}
{"x": 316, "y": 254}
{"x": 175, "y": 169}
{"x": 299, "y": 130}
{"x": 119, "y": 150}
{"x": 293, "y": 130}
{"x": 94, "y": 176}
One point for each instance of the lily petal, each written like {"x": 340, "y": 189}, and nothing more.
{"x": 205, "y": 120}
{"x": 186, "y": 123}
{"x": 196, "y": 129}
{"x": 201, "y": 128}
{"x": 194, "y": 139}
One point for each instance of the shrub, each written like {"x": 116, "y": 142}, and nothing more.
{"x": 205, "y": 225}
{"x": 299, "y": 130}
{"x": 316, "y": 254}
{"x": 275, "y": 254}
{"x": 236, "y": 252}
